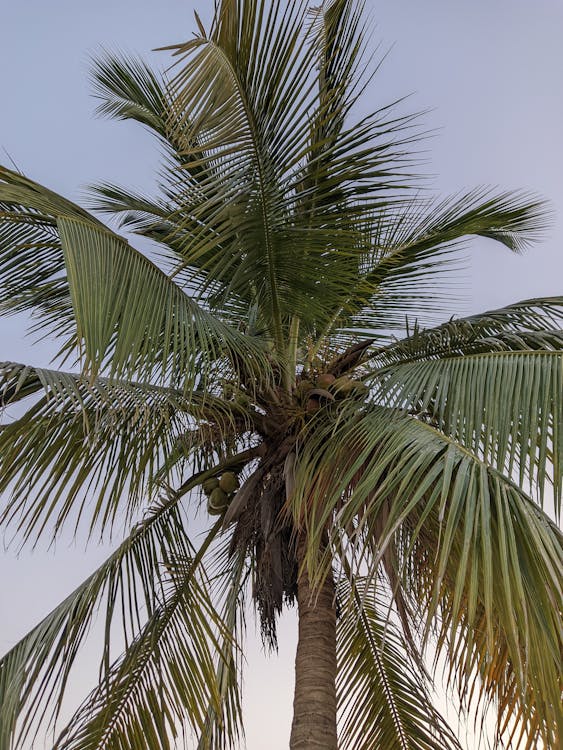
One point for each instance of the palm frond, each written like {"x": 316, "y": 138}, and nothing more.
{"x": 509, "y": 555}
{"x": 114, "y": 289}
{"x": 503, "y": 405}
{"x": 145, "y": 216}
{"x": 136, "y": 319}
{"x": 382, "y": 698}
{"x": 529, "y": 324}
{"x": 165, "y": 678}
{"x": 95, "y": 448}
{"x": 224, "y": 729}
{"x": 34, "y": 673}
{"x": 32, "y": 270}
{"x": 247, "y": 93}
{"x": 416, "y": 246}
{"x": 155, "y": 219}
{"x": 489, "y": 597}
{"x": 338, "y": 32}
{"x": 129, "y": 89}
{"x": 220, "y": 78}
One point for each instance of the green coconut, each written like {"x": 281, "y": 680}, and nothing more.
{"x": 209, "y": 485}
{"x": 213, "y": 511}
{"x": 228, "y": 482}
{"x": 217, "y": 502}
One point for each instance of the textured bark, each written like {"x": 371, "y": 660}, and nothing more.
{"x": 314, "y": 704}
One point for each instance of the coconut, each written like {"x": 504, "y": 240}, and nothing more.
{"x": 213, "y": 511}
{"x": 325, "y": 379}
{"x": 209, "y": 485}
{"x": 312, "y": 405}
{"x": 217, "y": 502}
{"x": 228, "y": 482}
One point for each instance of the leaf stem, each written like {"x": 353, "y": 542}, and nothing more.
{"x": 291, "y": 364}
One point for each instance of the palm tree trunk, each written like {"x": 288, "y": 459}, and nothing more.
{"x": 314, "y": 703}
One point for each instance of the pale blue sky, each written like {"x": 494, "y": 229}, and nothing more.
{"x": 490, "y": 70}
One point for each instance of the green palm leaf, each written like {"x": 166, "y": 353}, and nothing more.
{"x": 382, "y": 698}
{"x": 415, "y": 247}
{"x": 98, "y": 448}
{"x": 443, "y": 502}
{"x": 223, "y": 728}
{"x": 128, "y": 89}
{"x": 32, "y": 273}
{"x": 165, "y": 677}
{"x": 226, "y": 119}
{"x": 138, "y": 320}
{"x": 168, "y": 332}
{"x": 530, "y": 324}
{"x": 113, "y": 441}
{"x": 293, "y": 193}
{"x": 504, "y": 406}
{"x": 34, "y": 673}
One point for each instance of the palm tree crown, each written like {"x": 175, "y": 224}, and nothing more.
{"x": 259, "y": 362}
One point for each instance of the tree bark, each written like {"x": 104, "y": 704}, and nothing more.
{"x": 314, "y": 703}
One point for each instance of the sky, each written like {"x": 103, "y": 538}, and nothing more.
{"x": 488, "y": 73}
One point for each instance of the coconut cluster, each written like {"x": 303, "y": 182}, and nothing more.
{"x": 327, "y": 387}
{"x": 220, "y": 491}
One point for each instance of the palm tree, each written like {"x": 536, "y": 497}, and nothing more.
{"x": 257, "y": 364}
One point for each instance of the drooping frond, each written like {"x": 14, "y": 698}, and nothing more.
{"x": 32, "y": 272}
{"x": 95, "y": 449}
{"x": 34, "y": 673}
{"x": 126, "y": 314}
{"x": 137, "y": 320}
{"x": 383, "y": 700}
{"x": 484, "y": 571}
{"x": 509, "y": 554}
{"x": 166, "y": 677}
{"x": 503, "y": 405}
{"x": 229, "y": 574}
